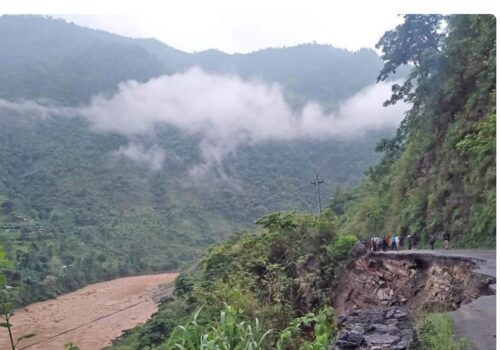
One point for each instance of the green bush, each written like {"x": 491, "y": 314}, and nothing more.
{"x": 229, "y": 332}
{"x": 435, "y": 332}
{"x": 309, "y": 332}
{"x": 340, "y": 248}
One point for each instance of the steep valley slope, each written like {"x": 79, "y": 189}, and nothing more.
{"x": 74, "y": 211}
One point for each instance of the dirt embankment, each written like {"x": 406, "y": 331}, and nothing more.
{"x": 461, "y": 282}
{"x": 416, "y": 281}
{"x": 90, "y": 317}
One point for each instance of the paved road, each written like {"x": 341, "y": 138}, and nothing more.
{"x": 475, "y": 321}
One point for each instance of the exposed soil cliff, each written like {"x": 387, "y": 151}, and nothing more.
{"x": 415, "y": 281}
{"x": 375, "y": 285}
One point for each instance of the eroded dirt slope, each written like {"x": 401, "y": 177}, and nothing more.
{"x": 416, "y": 281}
{"x": 461, "y": 282}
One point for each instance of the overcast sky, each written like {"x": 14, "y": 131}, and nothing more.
{"x": 243, "y": 26}
{"x": 246, "y": 32}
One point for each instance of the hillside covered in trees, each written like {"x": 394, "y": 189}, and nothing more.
{"x": 74, "y": 211}
{"x": 437, "y": 174}
{"x": 51, "y": 59}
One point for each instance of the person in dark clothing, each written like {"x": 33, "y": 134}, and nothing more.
{"x": 432, "y": 240}
{"x": 415, "y": 238}
{"x": 410, "y": 241}
{"x": 446, "y": 239}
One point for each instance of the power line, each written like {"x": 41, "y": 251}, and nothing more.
{"x": 317, "y": 182}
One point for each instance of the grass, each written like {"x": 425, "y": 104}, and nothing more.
{"x": 435, "y": 331}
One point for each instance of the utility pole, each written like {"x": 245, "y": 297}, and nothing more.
{"x": 318, "y": 182}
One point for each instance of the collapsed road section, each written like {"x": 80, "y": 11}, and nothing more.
{"x": 460, "y": 282}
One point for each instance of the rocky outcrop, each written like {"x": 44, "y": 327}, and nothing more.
{"x": 390, "y": 328}
{"x": 359, "y": 249}
{"x": 415, "y": 281}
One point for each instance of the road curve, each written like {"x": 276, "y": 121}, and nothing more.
{"x": 475, "y": 321}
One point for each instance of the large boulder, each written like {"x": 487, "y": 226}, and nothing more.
{"x": 359, "y": 249}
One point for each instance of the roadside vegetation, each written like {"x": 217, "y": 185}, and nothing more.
{"x": 280, "y": 278}
{"x": 435, "y": 332}
{"x": 438, "y": 172}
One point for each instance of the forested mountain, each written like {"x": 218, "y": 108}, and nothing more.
{"x": 73, "y": 211}
{"x": 437, "y": 174}
{"x": 50, "y": 58}
{"x": 309, "y": 71}
{"x": 45, "y": 58}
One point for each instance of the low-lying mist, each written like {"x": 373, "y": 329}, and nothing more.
{"x": 224, "y": 110}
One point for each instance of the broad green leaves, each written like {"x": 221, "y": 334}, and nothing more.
{"x": 229, "y": 332}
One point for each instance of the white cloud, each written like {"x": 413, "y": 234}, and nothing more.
{"x": 153, "y": 157}
{"x": 224, "y": 111}
{"x": 228, "y": 112}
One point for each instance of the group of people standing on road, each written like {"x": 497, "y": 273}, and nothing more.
{"x": 385, "y": 243}
{"x": 377, "y": 243}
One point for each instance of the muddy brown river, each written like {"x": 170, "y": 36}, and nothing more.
{"x": 90, "y": 317}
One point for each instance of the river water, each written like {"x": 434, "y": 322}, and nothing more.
{"x": 90, "y": 317}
